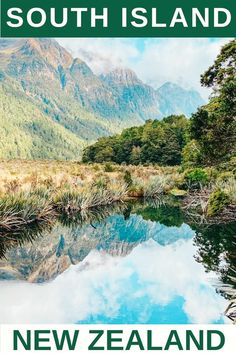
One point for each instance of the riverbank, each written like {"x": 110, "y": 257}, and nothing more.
{"x": 37, "y": 191}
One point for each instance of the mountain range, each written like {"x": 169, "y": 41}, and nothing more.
{"x": 54, "y": 251}
{"x": 52, "y": 104}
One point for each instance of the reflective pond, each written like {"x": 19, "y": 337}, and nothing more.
{"x": 130, "y": 263}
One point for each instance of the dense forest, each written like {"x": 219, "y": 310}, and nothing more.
{"x": 207, "y": 138}
{"x": 158, "y": 142}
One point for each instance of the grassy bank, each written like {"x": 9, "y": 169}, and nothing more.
{"x": 36, "y": 191}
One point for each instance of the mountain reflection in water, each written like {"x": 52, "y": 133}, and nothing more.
{"x": 135, "y": 263}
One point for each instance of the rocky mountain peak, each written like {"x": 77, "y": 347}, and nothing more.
{"x": 169, "y": 85}
{"x": 48, "y": 49}
{"x": 121, "y": 76}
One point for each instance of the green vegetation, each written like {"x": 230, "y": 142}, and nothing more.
{"x": 128, "y": 178}
{"x": 204, "y": 147}
{"x": 213, "y": 126}
{"x": 159, "y": 142}
{"x": 217, "y": 202}
{"x": 23, "y": 209}
{"x": 196, "y": 178}
{"x": 193, "y": 160}
{"x": 27, "y": 132}
{"x": 207, "y": 139}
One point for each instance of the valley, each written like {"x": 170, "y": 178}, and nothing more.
{"x": 52, "y": 105}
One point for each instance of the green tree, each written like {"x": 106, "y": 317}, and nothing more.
{"x": 223, "y": 69}
{"x": 105, "y": 155}
{"x": 156, "y": 141}
{"x": 135, "y": 156}
{"x": 191, "y": 155}
{"x": 214, "y": 125}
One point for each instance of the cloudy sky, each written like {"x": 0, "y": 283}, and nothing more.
{"x": 136, "y": 288}
{"x": 179, "y": 60}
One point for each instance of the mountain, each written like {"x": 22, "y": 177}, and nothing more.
{"x": 52, "y": 105}
{"x": 132, "y": 95}
{"x": 54, "y": 251}
{"x": 189, "y": 99}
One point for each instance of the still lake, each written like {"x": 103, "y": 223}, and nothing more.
{"x": 141, "y": 263}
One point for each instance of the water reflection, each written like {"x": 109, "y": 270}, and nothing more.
{"x": 133, "y": 263}
{"x": 216, "y": 249}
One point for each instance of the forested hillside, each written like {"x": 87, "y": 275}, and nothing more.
{"x": 27, "y": 132}
{"x": 52, "y": 105}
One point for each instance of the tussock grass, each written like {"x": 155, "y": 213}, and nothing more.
{"x": 31, "y": 191}
{"x": 79, "y": 200}
{"x": 17, "y": 211}
{"x": 228, "y": 187}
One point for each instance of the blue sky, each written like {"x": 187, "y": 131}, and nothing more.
{"x": 136, "y": 288}
{"x": 156, "y": 61}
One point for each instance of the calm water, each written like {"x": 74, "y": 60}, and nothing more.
{"x": 136, "y": 263}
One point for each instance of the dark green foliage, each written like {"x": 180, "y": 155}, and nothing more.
{"x": 217, "y": 202}
{"x": 168, "y": 215}
{"x": 196, "y": 178}
{"x": 214, "y": 126}
{"x": 108, "y": 168}
{"x": 224, "y": 67}
{"x": 128, "y": 178}
{"x": 212, "y": 241}
{"x": 158, "y": 142}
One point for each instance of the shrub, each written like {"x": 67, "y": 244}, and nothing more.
{"x": 108, "y": 168}
{"x": 228, "y": 186}
{"x": 101, "y": 182}
{"x": 225, "y": 176}
{"x": 217, "y": 202}
{"x": 196, "y": 178}
{"x": 136, "y": 190}
{"x": 128, "y": 178}
{"x": 155, "y": 186}
{"x": 96, "y": 167}
{"x": 20, "y": 210}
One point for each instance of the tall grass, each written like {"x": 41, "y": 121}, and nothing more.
{"x": 79, "y": 200}
{"x": 17, "y": 211}
{"x": 228, "y": 187}
{"x": 33, "y": 191}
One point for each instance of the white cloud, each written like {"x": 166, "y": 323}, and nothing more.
{"x": 102, "y": 285}
{"x": 102, "y": 54}
{"x": 180, "y": 61}
{"x": 156, "y": 61}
